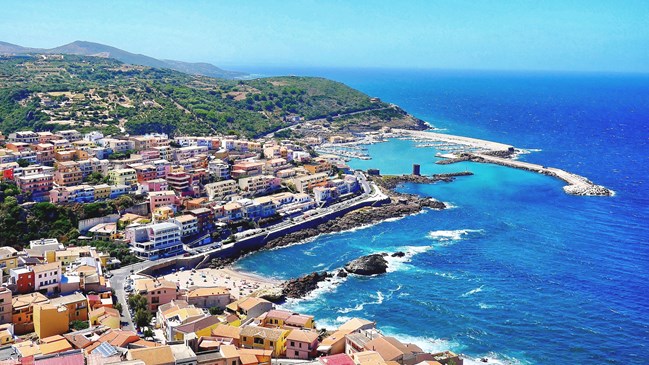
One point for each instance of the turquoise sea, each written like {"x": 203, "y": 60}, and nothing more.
{"x": 516, "y": 271}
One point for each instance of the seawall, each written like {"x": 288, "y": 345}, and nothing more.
{"x": 577, "y": 185}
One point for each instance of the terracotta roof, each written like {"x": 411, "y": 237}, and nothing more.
{"x": 368, "y": 358}
{"x": 28, "y": 299}
{"x": 144, "y": 344}
{"x": 251, "y": 302}
{"x": 302, "y": 336}
{"x": 54, "y": 344}
{"x": 160, "y": 355}
{"x": 390, "y": 348}
{"x": 119, "y": 338}
{"x": 27, "y": 348}
{"x": 67, "y": 359}
{"x": 198, "y": 324}
{"x": 229, "y": 351}
{"x": 68, "y": 299}
{"x": 335, "y": 337}
{"x": 47, "y": 267}
{"x": 355, "y": 324}
{"x": 225, "y": 331}
{"x": 298, "y": 320}
{"x": 279, "y": 314}
{"x": 248, "y": 359}
{"x": 205, "y": 292}
{"x": 150, "y": 284}
{"x": 271, "y": 334}
{"x": 338, "y": 359}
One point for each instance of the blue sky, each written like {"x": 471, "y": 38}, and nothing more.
{"x": 506, "y": 35}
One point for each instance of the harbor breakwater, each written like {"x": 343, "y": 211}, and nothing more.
{"x": 478, "y": 150}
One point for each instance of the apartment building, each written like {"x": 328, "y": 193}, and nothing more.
{"x": 125, "y": 176}
{"x": 155, "y": 240}
{"x": 68, "y": 173}
{"x": 221, "y": 189}
{"x": 308, "y": 182}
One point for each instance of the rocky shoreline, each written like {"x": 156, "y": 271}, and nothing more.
{"x": 400, "y": 205}
{"x": 392, "y": 181}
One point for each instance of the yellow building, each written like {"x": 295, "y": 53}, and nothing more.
{"x": 77, "y": 305}
{"x": 8, "y": 259}
{"x": 50, "y": 320}
{"x": 102, "y": 191}
{"x": 6, "y": 333}
{"x": 201, "y": 327}
{"x": 282, "y": 318}
{"x": 122, "y": 177}
{"x": 67, "y": 256}
{"x": 108, "y": 317}
{"x": 264, "y": 338}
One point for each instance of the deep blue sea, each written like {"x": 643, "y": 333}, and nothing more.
{"x": 517, "y": 270}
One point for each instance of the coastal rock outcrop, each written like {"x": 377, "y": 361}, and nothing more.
{"x": 368, "y": 265}
{"x": 274, "y": 294}
{"x": 299, "y": 287}
{"x": 400, "y": 205}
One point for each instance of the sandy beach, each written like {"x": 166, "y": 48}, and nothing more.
{"x": 239, "y": 283}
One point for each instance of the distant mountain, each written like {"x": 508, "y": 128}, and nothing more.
{"x": 83, "y": 48}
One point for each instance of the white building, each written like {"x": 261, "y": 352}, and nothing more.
{"x": 47, "y": 278}
{"x": 153, "y": 241}
{"x": 45, "y": 244}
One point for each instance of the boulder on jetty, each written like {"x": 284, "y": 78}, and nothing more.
{"x": 368, "y": 265}
{"x": 299, "y": 287}
{"x": 588, "y": 190}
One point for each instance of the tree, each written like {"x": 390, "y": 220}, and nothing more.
{"x": 22, "y": 162}
{"x": 137, "y": 302}
{"x": 148, "y": 333}
{"x": 118, "y": 306}
{"x": 215, "y": 311}
{"x": 142, "y": 318}
{"x": 79, "y": 325}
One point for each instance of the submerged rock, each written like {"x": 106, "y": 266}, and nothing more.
{"x": 398, "y": 254}
{"x": 368, "y": 265}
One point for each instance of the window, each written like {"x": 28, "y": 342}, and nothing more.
{"x": 244, "y": 338}
{"x": 292, "y": 343}
{"x": 259, "y": 341}
{"x": 297, "y": 353}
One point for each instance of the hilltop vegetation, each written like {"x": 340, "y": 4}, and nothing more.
{"x": 56, "y": 92}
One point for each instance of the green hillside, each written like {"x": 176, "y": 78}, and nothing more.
{"x": 53, "y": 92}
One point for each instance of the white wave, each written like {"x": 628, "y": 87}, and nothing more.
{"x": 360, "y": 306}
{"x": 485, "y": 306}
{"x": 450, "y": 205}
{"x": 327, "y": 286}
{"x": 494, "y": 359}
{"x": 428, "y": 344}
{"x": 399, "y": 263}
{"x": 447, "y": 275}
{"x": 473, "y": 291}
{"x": 451, "y": 235}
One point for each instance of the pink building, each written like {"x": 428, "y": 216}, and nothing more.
{"x": 302, "y": 344}
{"x": 39, "y": 185}
{"x": 156, "y": 291}
{"x": 161, "y": 199}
